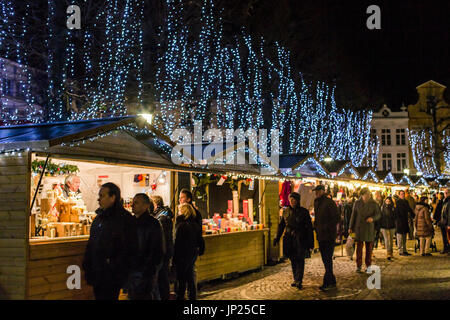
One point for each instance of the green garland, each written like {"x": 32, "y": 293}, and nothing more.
{"x": 52, "y": 168}
{"x": 201, "y": 181}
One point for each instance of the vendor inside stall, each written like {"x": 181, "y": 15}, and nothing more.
{"x": 62, "y": 210}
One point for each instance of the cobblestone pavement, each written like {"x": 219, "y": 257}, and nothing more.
{"x": 406, "y": 277}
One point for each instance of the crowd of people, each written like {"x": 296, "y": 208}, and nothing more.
{"x": 398, "y": 217}
{"x": 138, "y": 252}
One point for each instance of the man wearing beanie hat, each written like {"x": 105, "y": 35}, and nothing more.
{"x": 325, "y": 223}
{"x": 298, "y": 237}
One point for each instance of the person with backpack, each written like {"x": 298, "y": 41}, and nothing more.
{"x": 298, "y": 239}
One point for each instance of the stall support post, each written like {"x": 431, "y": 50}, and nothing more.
{"x": 39, "y": 183}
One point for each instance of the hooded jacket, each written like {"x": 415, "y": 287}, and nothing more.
{"x": 111, "y": 251}
{"x": 423, "y": 223}
{"x": 165, "y": 216}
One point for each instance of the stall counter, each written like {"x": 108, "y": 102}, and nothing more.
{"x": 232, "y": 252}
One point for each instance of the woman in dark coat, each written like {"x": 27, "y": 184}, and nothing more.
{"x": 424, "y": 227}
{"x": 298, "y": 236}
{"x": 188, "y": 243}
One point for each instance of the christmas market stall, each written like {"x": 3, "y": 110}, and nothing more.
{"x": 50, "y": 176}
{"x": 229, "y": 199}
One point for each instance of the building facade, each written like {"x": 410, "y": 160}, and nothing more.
{"x": 389, "y": 130}
{"x": 21, "y": 93}
{"x": 429, "y": 121}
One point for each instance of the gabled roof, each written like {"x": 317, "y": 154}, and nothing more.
{"x": 134, "y": 141}
{"x": 403, "y": 179}
{"x": 335, "y": 165}
{"x": 362, "y": 170}
{"x": 305, "y": 164}
{"x": 431, "y": 82}
{"x": 382, "y": 174}
{"x": 421, "y": 182}
{"x": 367, "y": 173}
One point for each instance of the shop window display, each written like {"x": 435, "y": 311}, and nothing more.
{"x": 67, "y": 197}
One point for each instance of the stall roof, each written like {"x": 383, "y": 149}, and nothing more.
{"x": 403, "y": 179}
{"x": 444, "y": 182}
{"x": 213, "y": 156}
{"x": 367, "y": 173}
{"x": 306, "y": 164}
{"x": 135, "y": 140}
{"x": 335, "y": 165}
{"x": 55, "y": 130}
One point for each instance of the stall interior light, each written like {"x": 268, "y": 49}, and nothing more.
{"x": 406, "y": 171}
{"x": 147, "y": 116}
{"x": 328, "y": 159}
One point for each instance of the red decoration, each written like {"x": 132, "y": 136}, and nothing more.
{"x": 153, "y": 186}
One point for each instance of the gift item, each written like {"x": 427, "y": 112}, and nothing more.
{"x": 250, "y": 211}
{"x": 235, "y": 203}
{"x": 245, "y": 208}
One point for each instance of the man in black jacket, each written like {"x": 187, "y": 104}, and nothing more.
{"x": 112, "y": 247}
{"x": 437, "y": 218}
{"x": 403, "y": 213}
{"x": 298, "y": 238}
{"x": 151, "y": 248}
{"x": 325, "y": 223}
{"x": 444, "y": 222}
{"x": 165, "y": 216}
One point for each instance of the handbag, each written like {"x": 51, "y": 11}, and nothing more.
{"x": 349, "y": 249}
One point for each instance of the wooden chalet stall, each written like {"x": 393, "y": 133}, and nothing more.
{"x": 229, "y": 198}
{"x": 41, "y": 232}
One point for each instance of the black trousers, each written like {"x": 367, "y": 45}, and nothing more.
{"x": 185, "y": 277}
{"x": 444, "y": 238}
{"x": 106, "y": 292}
{"x": 163, "y": 280}
{"x": 298, "y": 268}
{"x": 326, "y": 249}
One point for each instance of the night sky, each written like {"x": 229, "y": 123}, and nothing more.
{"x": 412, "y": 47}
{"x": 329, "y": 40}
